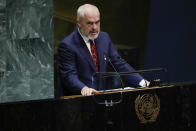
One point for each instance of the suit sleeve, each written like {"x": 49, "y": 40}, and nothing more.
{"x": 67, "y": 67}
{"x": 122, "y": 66}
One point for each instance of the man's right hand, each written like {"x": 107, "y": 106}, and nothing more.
{"x": 88, "y": 91}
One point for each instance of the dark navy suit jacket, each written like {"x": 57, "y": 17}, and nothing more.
{"x": 76, "y": 65}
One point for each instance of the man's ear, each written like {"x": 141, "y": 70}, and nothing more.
{"x": 78, "y": 24}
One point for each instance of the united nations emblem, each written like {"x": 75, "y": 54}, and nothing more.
{"x": 147, "y": 107}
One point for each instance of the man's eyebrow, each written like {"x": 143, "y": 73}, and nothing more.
{"x": 90, "y": 22}
{"x": 97, "y": 21}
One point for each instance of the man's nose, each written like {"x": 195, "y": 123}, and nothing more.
{"x": 94, "y": 26}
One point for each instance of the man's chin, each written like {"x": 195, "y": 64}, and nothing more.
{"x": 93, "y": 36}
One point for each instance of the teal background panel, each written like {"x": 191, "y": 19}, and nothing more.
{"x": 26, "y": 53}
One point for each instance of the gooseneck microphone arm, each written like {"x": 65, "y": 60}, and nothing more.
{"x": 107, "y": 58}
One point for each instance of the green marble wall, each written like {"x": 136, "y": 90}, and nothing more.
{"x": 26, "y": 50}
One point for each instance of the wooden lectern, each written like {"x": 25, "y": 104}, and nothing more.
{"x": 166, "y": 108}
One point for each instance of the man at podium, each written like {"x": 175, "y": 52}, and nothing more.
{"x": 88, "y": 50}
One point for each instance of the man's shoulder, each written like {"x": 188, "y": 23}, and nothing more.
{"x": 103, "y": 36}
{"x": 70, "y": 38}
{"x": 102, "y": 33}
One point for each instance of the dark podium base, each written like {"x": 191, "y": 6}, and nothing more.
{"x": 176, "y": 112}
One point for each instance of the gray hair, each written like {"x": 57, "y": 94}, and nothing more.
{"x": 83, "y": 8}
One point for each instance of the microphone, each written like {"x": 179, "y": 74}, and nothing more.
{"x": 109, "y": 60}
{"x": 117, "y": 74}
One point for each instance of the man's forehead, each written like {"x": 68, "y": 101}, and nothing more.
{"x": 91, "y": 17}
{"x": 91, "y": 14}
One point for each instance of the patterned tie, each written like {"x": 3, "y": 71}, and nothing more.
{"x": 94, "y": 54}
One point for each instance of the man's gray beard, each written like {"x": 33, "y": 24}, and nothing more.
{"x": 88, "y": 36}
{"x": 94, "y": 37}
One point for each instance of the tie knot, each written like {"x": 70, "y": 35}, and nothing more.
{"x": 91, "y": 41}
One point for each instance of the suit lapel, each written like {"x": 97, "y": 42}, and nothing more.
{"x": 83, "y": 49}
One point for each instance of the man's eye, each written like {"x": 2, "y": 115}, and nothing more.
{"x": 90, "y": 23}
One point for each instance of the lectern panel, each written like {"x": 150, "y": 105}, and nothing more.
{"x": 157, "y": 108}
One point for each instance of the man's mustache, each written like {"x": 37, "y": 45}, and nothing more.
{"x": 93, "y": 31}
